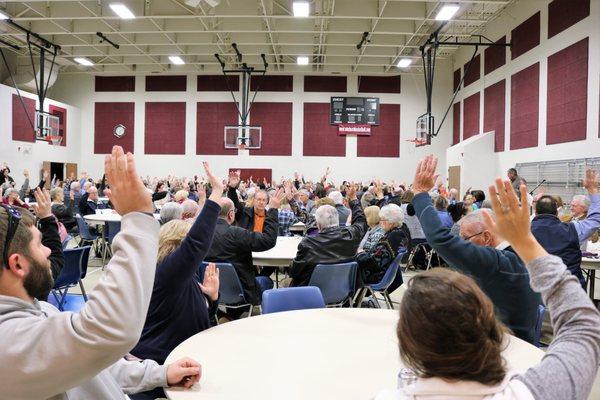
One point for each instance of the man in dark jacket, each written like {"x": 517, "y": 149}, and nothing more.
{"x": 251, "y": 218}
{"x": 333, "y": 243}
{"x": 499, "y": 272}
{"x": 89, "y": 201}
{"x": 563, "y": 239}
{"x": 235, "y": 244}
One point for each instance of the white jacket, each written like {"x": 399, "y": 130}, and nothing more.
{"x": 46, "y": 354}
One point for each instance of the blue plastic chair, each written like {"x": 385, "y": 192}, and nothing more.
{"x": 111, "y": 229}
{"x": 538, "y": 325}
{"x": 336, "y": 281}
{"x": 69, "y": 276}
{"x": 72, "y": 302}
{"x": 65, "y": 242}
{"x": 289, "y": 299}
{"x": 391, "y": 274}
{"x": 231, "y": 291}
{"x": 85, "y": 236}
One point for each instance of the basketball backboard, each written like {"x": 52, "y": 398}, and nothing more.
{"x": 242, "y": 137}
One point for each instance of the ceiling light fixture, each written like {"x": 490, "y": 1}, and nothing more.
{"x": 447, "y": 12}
{"x": 83, "y": 61}
{"x": 405, "y": 62}
{"x": 302, "y": 60}
{"x": 301, "y": 8}
{"x": 122, "y": 11}
{"x": 176, "y": 60}
{"x": 3, "y": 15}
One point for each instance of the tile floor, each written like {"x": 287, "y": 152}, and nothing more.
{"x": 95, "y": 273}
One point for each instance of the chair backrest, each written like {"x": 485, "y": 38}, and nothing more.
{"x": 336, "y": 281}
{"x": 84, "y": 230}
{"x": 390, "y": 274}
{"x": 312, "y": 231}
{"x": 70, "y": 274}
{"x": 85, "y": 258}
{"x": 112, "y": 228}
{"x": 538, "y": 325}
{"x": 231, "y": 291}
{"x": 294, "y": 298}
{"x": 65, "y": 242}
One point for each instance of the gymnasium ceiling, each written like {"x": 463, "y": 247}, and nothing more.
{"x": 163, "y": 28}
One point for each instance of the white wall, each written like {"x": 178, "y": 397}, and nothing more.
{"x": 476, "y": 159}
{"x": 79, "y": 89}
{"x": 14, "y": 152}
{"x": 512, "y": 17}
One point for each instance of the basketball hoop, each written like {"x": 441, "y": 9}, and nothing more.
{"x": 54, "y": 140}
{"x": 418, "y": 142}
{"x": 242, "y": 146}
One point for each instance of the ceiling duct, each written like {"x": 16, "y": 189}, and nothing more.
{"x": 25, "y": 79}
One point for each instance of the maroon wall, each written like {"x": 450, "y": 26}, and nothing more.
{"x": 324, "y": 83}
{"x": 272, "y": 83}
{"x": 567, "y": 94}
{"x": 218, "y": 83}
{"x": 114, "y": 83}
{"x": 321, "y": 138}
{"x": 106, "y": 117}
{"x": 385, "y": 137}
{"x": 563, "y": 14}
{"x": 164, "y": 128}
{"x": 21, "y": 122}
{"x": 456, "y": 79}
{"x": 211, "y": 119}
{"x": 494, "y": 112}
{"x": 379, "y": 84}
{"x": 166, "y": 83}
{"x": 524, "y": 105}
{"x": 526, "y": 36}
{"x": 456, "y": 123}
{"x": 471, "y": 116}
{"x": 257, "y": 174}
{"x": 276, "y": 122}
{"x": 495, "y": 57}
{"x": 474, "y": 71}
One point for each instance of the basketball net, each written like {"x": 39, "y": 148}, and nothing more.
{"x": 242, "y": 146}
{"x": 417, "y": 142}
{"x": 54, "y": 140}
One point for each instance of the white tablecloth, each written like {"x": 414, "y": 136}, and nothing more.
{"x": 311, "y": 354}
{"x": 104, "y": 217}
{"x": 279, "y": 256}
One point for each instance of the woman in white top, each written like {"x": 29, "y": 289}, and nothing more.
{"x": 449, "y": 336}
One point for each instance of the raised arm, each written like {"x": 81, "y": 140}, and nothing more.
{"x": 589, "y": 225}
{"x": 359, "y": 221}
{"x": 569, "y": 368}
{"x": 265, "y": 240}
{"x": 25, "y": 186}
{"x": 232, "y": 185}
{"x": 110, "y": 322}
{"x": 184, "y": 261}
{"x": 49, "y": 229}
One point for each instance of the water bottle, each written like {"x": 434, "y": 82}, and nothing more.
{"x": 406, "y": 377}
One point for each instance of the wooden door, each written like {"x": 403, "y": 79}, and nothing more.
{"x": 70, "y": 170}
{"x": 454, "y": 177}
{"x": 46, "y": 169}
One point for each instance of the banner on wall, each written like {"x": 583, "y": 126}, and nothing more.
{"x": 354, "y": 129}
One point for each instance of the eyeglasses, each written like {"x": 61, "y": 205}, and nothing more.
{"x": 472, "y": 236}
{"x": 14, "y": 217}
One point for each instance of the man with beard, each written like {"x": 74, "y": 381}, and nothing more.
{"x": 49, "y": 354}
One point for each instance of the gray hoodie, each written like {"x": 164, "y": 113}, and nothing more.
{"x": 46, "y": 354}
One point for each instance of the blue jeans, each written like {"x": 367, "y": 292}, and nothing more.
{"x": 264, "y": 283}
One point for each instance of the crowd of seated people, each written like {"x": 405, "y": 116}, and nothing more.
{"x": 209, "y": 220}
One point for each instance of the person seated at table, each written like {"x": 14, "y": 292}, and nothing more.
{"x": 441, "y": 204}
{"x": 373, "y": 263}
{"x": 375, "y": 231}
{"x": 11, "y": 198}
{"x": 61, "y": 211}
{"x": 480, "y": 253}
{"x": 252, "y": 218}
{"x": 181, "y": 196}
{"x": 49, "y": 354}
{"x": 180, "y": 307}
{"x": 564, "y": 239}
{"x": 189, "y": 209}
{"x": 161, "y": 194}
{"x": 333, "y": 243}
{"x": 305, "y": 202}
{"x": 286, "y": 218}
{"x": 459, "y": 355}
{"x": 89, "y": 201}
{"x": 235, "y": 245}
{"x": 343, "y": 211}
{"x": 457, "y": 211}
{"x": 170, "y": 211}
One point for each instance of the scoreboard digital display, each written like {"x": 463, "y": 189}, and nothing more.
{"x": 354, "y": 110}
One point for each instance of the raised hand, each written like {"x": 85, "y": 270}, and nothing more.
{"x": 425, "y": 176}
{"x": 26, "y": 173}
{"x": 43, "y": 208}
{"x": 590, "y": 182}
{"x": 276, "y": 199}
{"x": 512, "y": 221}
{"x": 127, "y": 192}
{"x": 351, "y": 193}
{"x": 210, "y": 285}
{"x": 184, "y": 372}
{"x": 234, "y": 179}
{"x": 217, "y": 185}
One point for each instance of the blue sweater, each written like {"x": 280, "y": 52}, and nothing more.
{"x": 178, "y": 308}
{"x": 500, "y": 273}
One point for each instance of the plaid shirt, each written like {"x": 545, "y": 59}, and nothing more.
{"x": 286, "y": 219}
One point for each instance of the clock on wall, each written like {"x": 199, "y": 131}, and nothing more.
{"x": 119, "y": 131}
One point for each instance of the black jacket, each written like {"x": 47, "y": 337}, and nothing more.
{"x": 235, "y": 245}
{"x": 374, "y": 263}
{"x": 244, "y": 216}
{"x": 64, "y": 214}
{"x": 51, "y": 239}
{"x": 331, "y": 245}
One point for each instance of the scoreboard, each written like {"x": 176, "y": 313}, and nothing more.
{"x": 354, "y": 110}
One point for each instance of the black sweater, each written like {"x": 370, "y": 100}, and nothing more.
{"x": 178, "y": 308}
{"x": 51, "y": 239}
